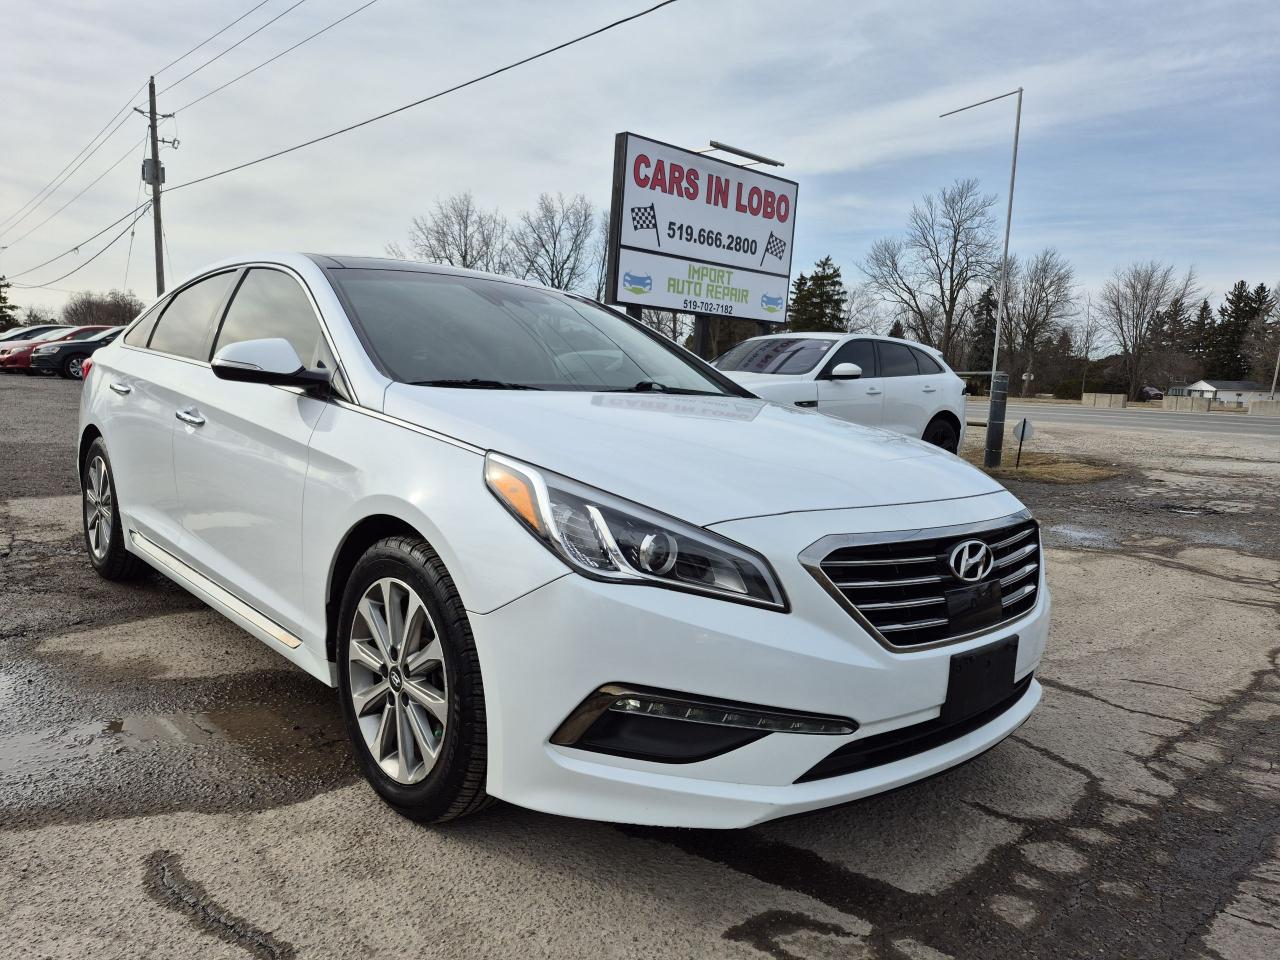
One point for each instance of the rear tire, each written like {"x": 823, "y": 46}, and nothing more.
{"x": 941, "y": 432}
{"x": 103, "y": 532}
{"x": 410, "y": 683}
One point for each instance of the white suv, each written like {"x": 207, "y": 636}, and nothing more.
{"x": 548, "y": 556}
{"x": 875, "y": 381}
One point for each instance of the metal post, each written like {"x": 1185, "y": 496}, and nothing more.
{"x": 1002, "y": 318}
{"x": 702, "y": 335}
{"x": 995, "y": 420}
{"x": 1275, "y": 375}
{"x": 155, "y": 189}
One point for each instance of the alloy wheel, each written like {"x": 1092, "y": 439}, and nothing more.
{"x": 74, "y": 368}
{"x": 399, "y": 682}
{"x": 99, "y": 508}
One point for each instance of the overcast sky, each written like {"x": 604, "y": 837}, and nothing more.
{"x": 1149, "y": 129}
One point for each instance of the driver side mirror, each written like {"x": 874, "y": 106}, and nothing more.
{"x": 846, "y": 371}
{"x": 272, "y": 361}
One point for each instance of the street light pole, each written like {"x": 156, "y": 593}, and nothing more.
{"x": 995, "y": 414}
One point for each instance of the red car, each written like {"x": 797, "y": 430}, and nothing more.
{"x": 15, "y": 355}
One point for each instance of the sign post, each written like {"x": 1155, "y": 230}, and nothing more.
{"x": 1022, "y": 430}
{"x": 694, "y": 234}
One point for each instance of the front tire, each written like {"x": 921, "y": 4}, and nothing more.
{"x": 103, "y": 532}
{"x": 941, "y": 432}
{"x": 71, "y": 368}
{"x": 410, "y": 683}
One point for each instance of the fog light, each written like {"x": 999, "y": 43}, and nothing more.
{"x": 730, "y": 717}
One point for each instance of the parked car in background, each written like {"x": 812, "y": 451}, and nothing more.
{"x": 30, "y": 333}
{"x": 65, "y": 357}
{"x": 15, "y": 356}
{"x": 1150, "y": 393}
{"x": 546, "y": 555}
{"x": 875, "y": 381}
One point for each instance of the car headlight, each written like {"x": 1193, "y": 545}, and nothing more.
{"x": 607, "y": 538}
{"x": 44, "y": 349}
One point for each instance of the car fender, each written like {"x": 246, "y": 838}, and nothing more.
{"x": 786, "y": 391}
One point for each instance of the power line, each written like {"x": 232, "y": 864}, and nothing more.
{"x": 355, "y": 126}
{"x": 58, "y": 178}
{"x": 132, "y": 227}
{"x": 219, "y": 56}
{"x": 275, "y": 58}
{"x": 82, "y": 192}
{"x": 109, "y": 245}
{"x": 435, "y": 96}
{"x": 6, "y": 225}
{"x": 212, "y": 36}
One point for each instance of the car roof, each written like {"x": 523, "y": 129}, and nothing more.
{"x": 824, "y": 335}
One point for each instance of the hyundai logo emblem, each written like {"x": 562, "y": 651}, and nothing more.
{"x": 971, "y": 560}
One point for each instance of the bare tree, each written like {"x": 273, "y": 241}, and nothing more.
{"x": 1041, "y": 297}
{"x": 552, "y": 242}
{"x": 1086, "y": 338}
{"x": 864, "y": 311}
{"x": 112, "y": 309}
{"x": 458, "y": 233}
{"x": 1129, "y": 309}
{"x": 929, "y": 274}
{"x": 600, "y": 256}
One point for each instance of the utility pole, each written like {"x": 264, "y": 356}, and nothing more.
{"x": 153, "y": 173}
{"x": 156, "y": 178}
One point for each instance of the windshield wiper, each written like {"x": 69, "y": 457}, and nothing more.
{"x": 475, "y": 384}
{"x": 652, "y": 386}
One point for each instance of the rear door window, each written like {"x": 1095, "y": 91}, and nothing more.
{"x": 272, "y": 304}
{"x": 183, "y": 328}
{"x": 897, "y": 360}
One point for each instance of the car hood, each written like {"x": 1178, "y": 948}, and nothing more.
{"x": 703, "y": 459}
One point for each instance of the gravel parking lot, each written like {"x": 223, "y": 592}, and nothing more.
{"x": 171, "y": 788}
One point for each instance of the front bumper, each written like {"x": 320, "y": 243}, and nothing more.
{"x": 50, "y": 361}
{"x": 543, "y": 653}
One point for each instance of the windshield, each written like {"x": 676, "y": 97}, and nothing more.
{"x": 109, "y": 332}
{"x": 446, "y": 330}
{"x": 786, "y": 355}
{"x": 53, "y": 334}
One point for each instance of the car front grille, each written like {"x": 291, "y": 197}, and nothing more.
{"x": 896, "y": 585}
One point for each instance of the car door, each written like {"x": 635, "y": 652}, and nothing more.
{"x": 861, "y": 400}
{"x": 240, "y": 453}
{"x": 937, "y": 386}
{"x": 906, "y": 402}
{"x": 143, "y": 388}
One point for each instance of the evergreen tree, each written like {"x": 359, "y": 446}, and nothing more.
{"x": 1227, "y": 359}
{"x": 1171, "y": 333}
{"x": 8, "y": 309}
{"x": 817, "y": 301}
{"x": 982, "y": 332}
{"x": 896, "y": 330}
{"x": 1199, "y": 336}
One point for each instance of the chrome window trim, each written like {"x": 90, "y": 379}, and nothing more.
{"x": 811, "y": 558}
{"x": 163, "y": 302}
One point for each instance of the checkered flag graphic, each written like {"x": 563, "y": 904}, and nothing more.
{"x": 774, "y": 247}
{"x": 646, "y": 218}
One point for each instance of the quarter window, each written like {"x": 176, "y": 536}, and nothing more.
{"x": 141, "y": 332}
{"x": 183, "y": 328}
{"x": 926, "y": 363}
{"x": 270, "y": 304}
{"x": 897, "y": 360}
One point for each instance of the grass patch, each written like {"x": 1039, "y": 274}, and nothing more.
{"x": 1044, "y": 467}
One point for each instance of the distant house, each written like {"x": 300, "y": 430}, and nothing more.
{"x": 1230, "y": 393}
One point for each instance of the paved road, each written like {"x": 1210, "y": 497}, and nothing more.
{"x": 169, "y": 788}
{"x": 1236, "y": 424}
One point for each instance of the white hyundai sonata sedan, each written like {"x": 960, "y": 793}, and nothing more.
{"x": 548, "y": 556}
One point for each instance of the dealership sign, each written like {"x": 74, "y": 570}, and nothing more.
{"x": 698, "y": 235}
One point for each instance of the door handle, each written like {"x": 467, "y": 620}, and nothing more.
{"x": 930, "y": 389}
{"x": 189, "y": 416}
{"x": 120, "y": 388}
{"x": 873, "y": 392}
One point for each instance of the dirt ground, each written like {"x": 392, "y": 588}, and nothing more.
{"x": 170, "y": 788}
